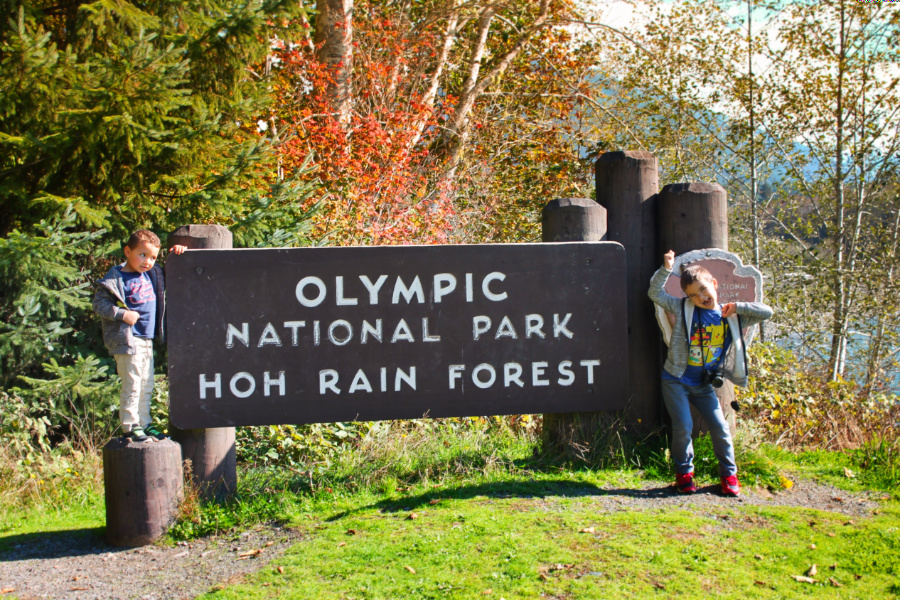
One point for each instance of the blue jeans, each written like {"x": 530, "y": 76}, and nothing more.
{"x": 678, "y": 398}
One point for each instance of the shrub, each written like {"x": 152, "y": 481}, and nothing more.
{"x": 797, "y": 408}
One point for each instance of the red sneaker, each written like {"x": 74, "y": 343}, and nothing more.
{"x": 685, "y": 483}
{"x": 731, "y": 486}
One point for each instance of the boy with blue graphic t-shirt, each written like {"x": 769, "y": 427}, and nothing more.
{"x": 130, "y": 300}
{"x": 706, "y": 347}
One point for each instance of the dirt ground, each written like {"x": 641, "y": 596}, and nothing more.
{"x": 80, "y": 566}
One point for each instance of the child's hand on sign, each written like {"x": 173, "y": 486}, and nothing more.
{"x": 729, "y": 309}
{"x": 669, "y": 260}
{"x": 177, "y": 249}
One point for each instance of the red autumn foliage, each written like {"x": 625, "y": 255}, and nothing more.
{"x": 377, "y": 174}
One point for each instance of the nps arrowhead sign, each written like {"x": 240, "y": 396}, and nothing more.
{"x": 736, "y": 281}
{"x": 307, "y": 335}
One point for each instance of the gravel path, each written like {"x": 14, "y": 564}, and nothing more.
{"x": 80, "y": 566}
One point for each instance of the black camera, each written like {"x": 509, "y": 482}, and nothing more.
{"x": 714, "y": 378}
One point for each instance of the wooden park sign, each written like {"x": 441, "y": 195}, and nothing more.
{"x": 737, "y": 282}
{"x": 307, "y": 335}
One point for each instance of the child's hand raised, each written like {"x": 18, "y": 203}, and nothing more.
{"x": 729, "y": 309}
{"x": 669, "y": 260}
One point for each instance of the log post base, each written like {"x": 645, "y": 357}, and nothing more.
{"x": 144, "y": 486}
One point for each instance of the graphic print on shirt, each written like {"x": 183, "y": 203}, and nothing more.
{"x": 139, "y": 291}
{"x": 713, "y": 344}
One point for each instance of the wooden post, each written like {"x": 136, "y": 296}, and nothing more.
{"x": 571, "y": 220}
{"x": 211, "y": 452}
{"x": 627, "y": 183}
{"x": 693, "y": 216}
{"x": 144, "y": 486}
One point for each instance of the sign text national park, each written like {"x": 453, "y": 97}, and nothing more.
{"x": 306, "y": 335}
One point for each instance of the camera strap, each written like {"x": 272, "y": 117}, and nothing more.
{"x": 743, "y": 346}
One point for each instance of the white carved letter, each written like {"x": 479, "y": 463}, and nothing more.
{"x": 444, "y": 283}
{"x": 246, "y": 377}
{"x": 310, "y": 303}
{"x": 533, "y": 325}
{"x": 215, "y": 384}
{"x": 294, "y": 326}
{"x": 242, "y": 336}
{"x": 537, "y": 371}
{"x": 415, "y": 289}
{"x": 328, "y": 379}
{"x": 492, "y": 375}
{"x": 589, "y": 365}
{"x": 496, "y": 275}
{"x": 268, "y": 382}
{"x": 560, "y": 326}
{"x": 512, "y": 373}
{"x": 480, "y": 324}
{"x": 339, "y": 293}
{"x": 564, "y": 369}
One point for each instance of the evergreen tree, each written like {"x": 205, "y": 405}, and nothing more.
{"x": 114, "y": 116}
{"x": 139, "y": 114}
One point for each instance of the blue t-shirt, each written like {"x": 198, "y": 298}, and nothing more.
{"x": 141, "y": 298}
{"x": 716, "y": 336}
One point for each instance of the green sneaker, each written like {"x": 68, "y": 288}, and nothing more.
{"x": 154, "y": 431}
{"x": 136, "y": 435}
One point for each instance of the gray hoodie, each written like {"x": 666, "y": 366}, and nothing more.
{"x": 109, "y": 303}
{"x": 735, "y": 368}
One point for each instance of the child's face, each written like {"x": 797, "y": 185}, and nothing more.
{"x": 703, "y": 293}
{"x": 141, "y": 258}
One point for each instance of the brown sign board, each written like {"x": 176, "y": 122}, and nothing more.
{"x": 311, "y": 335}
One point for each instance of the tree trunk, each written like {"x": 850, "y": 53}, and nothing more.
{"x": 452, "y": 142}
{"x": 334, "y": 48}
{"x": 453, "y": 27}
{"x": 839, "y": 322}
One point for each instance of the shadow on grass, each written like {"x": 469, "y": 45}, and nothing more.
{"x": 55, "y": 544}
{"x": 509, "y": 489}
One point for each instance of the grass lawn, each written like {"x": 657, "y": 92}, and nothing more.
{"x": 450, "y": 514}
{"x": 553, "y": 538}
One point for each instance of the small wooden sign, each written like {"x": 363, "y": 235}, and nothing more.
{"x": 737, "y": 282}
{"x": 308, "y": 335}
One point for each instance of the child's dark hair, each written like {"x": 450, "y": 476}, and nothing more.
{"x": 692, "y": 273}
{"x": 143, "y": 235}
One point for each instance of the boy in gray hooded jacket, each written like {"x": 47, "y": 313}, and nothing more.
{"x": 131, "y": 302}
{"x": 706, "y": 342}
